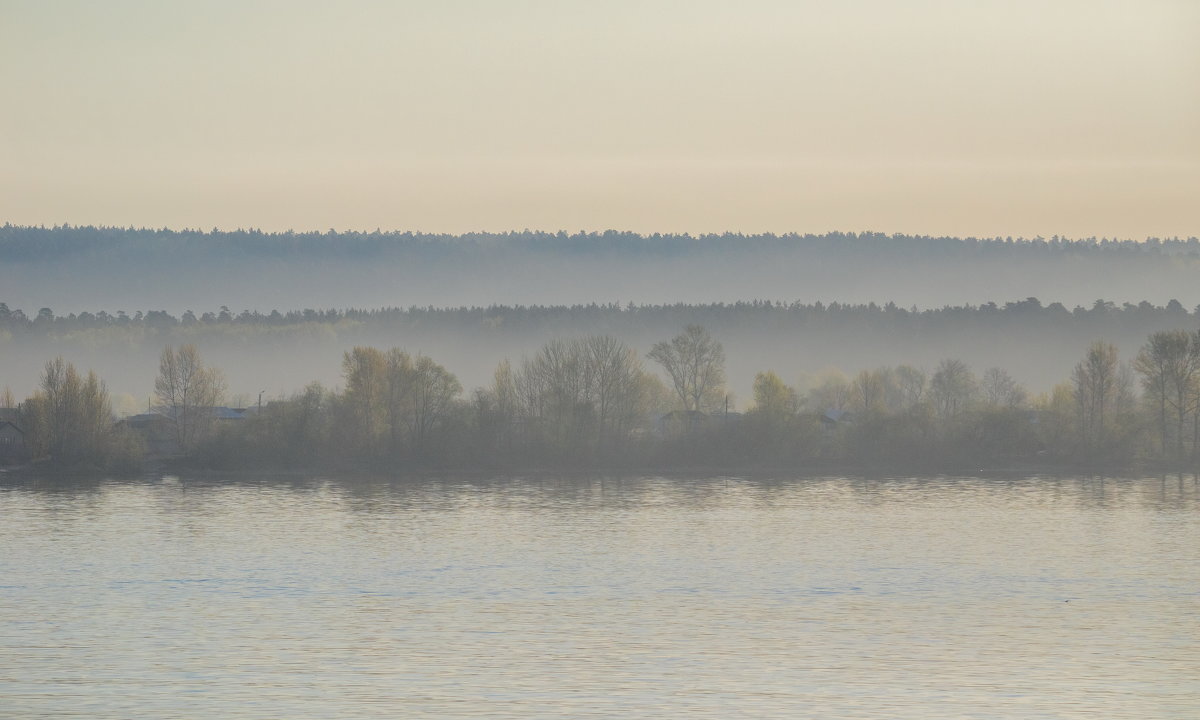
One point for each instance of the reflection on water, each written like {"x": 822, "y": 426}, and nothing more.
{"x": 631, "y": 597}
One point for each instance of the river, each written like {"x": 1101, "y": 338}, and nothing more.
{"x": 827, "y": 597}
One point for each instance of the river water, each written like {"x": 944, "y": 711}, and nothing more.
{"x": 831, "y": 597}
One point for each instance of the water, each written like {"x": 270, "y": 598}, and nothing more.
{"x": 643, "y": 597}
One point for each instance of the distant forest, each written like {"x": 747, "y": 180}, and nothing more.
{"x": 1101, "y": 316}
{"x": 31, "y": 244}
{"x": 76, "y": 269}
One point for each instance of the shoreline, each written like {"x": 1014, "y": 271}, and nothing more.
{"x": 162, "y": 468}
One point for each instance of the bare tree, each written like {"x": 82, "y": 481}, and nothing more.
{"x": 188, "y": 390}
{"x": 1097, "y": 387}
{"x": 952, "y": 388}
{"x": 910, "y": 384}
{"x": 1169, "y": 364}
{"x": 869, "y": 391}
{"x": 399, "y": 400}
{"x": 696, "y": 364}
{"x": 1000, "y": 390}
{"x": 614, "y": 372}
{"x": 434, "y": 390}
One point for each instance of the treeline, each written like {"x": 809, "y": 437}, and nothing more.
{"x": 1099, "y": 316}
{"x": 28, "y": 243}
{"x": 594, "y": 403}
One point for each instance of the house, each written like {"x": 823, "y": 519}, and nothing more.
{"x": 13, "y": 450}
{"x": 833, "y": 417}
{"x": 681, "y": 422}
{"x": 157, "y": 432}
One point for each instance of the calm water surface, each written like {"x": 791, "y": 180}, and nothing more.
{"x": 637, "y": 597}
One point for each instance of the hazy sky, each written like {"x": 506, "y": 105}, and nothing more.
{"x": 983, "y": 117}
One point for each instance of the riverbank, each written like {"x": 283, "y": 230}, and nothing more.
{"x": 165, "y": 467}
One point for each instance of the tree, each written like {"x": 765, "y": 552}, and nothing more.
{"x": 613, "y": 386}
{"x": 398, "y": 387}
{"x": 577, "y": 395}
{"x": 773, "y": 419}
{"x": 70, "y": 418}
{"x": 1000, "y": 390}
{"x": 832, "y": 393}
{"x": 910, "y": 385}
{"x": 869, "y": 391}
{"x": 187, "y": 391}
{"x": 952, "y": 388}
{"x": 695, "y": 363}
{"x": 434, "y": 390}
{"x": 365, "y": 370}
{"x": 773, "y": 398}
{"x": 1097, "y": 384}
{"x": 1169, "y": 364}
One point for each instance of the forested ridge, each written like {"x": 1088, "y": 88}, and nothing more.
{"x": 1102, "y": 314}
{"x": 86, "y": 269}
{"x": 38, "y": 243}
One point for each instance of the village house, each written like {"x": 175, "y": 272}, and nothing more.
{"x": 13, "y": 450}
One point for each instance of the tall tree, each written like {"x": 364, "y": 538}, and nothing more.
{"x": 614, "y": 385}
{"x": 952, "y": 388}
{"x": 365, "y": 370}
{"x": 70, "y": 418}
{"x": 869, "y": 391}
{"x": 434, "y": 390}
{"x": 399, "y": 397}
{"x": 695, "y": 363}
{"x": 1096, "y": 383}
{"x": 188, "y": 390}
{"x": 1169, "y": 364}
{"x": 910, "y": 386}
{"x": 1001, "y": 390}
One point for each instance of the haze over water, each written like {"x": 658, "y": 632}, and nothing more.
{"x": 637, "y": 597}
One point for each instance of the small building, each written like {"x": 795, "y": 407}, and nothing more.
{"x": 834, "y": 416}
{"x": 157, "y": 428}
{"x": 681, "y": 422}
{"x": 228, "y": 413}
{"x": 156, "y": 431}
{"x": 13, "y": 450}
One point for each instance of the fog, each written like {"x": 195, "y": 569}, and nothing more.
{"x": 1038, "y": 352}
{"x": 650, "y": 287}
{"x": 125, "y": 279}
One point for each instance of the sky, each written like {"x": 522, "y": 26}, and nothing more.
{"x": 982, "y": 117}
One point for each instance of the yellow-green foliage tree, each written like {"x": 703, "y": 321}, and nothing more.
{"x": 772, "y": 422}
{"x": 394, "y": 402}
{"x": 69, "y": 420}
